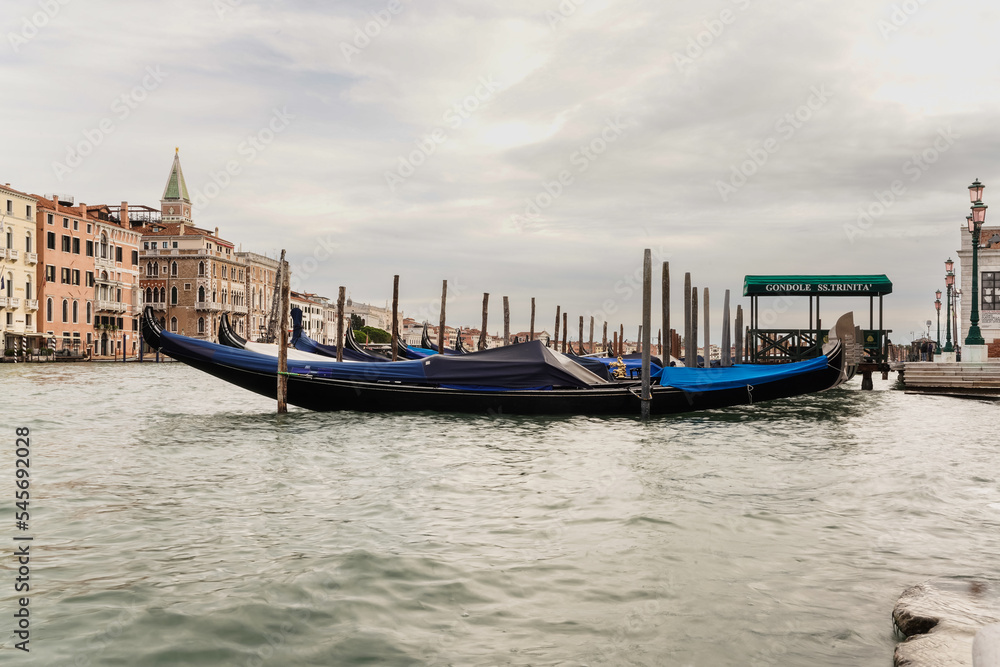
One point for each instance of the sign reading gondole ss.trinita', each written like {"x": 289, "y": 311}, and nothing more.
{"x": 875, "y": 285}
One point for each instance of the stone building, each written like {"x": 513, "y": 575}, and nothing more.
{"x": 260, "y": 274}
{"x": 116, "y": 297}
{"x": 18, "y": 262}
{"x": 989, "y": 287}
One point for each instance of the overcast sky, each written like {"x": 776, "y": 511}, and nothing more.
{"x": 526, "y": 148}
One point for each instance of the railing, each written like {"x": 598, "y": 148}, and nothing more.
{"x": 242, "y": 310}
{"x": 114, "y": 306}
{"x": 104, "y": 261}
{"x": 207, "y": 305}
{"x": 768, "y": 346}
{"x": 31, "y": 304}
{"x": 4, "y": 302}
{"x": 11, "y": 255}
{"x": 156, "y": 305}
{"x": 31, "y": 258}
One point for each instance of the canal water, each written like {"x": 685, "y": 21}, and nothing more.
{"x": 178, "y": 521}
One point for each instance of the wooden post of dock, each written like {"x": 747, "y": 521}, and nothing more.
{"x": 565, "y": 330}
{"x": 738, "y": 331}
{"x": 694, "y": 328}
{"x": 708, "y": 360}
{"x": 665, "y": 349}
{"x": 591, "y": 344}
{"x": 283, "y": 339}
{"x": 395, "y": 317}
{"x": 340, "y": 322}
{"x": 531, "y": 329}
{"x": 614, "y": 344}
{"x": 506, "y": 322}
{"x": 444, "y": 298}
{"x": 687, "y": 320}
{"x": 621, "y": 340}
{"x": 604, "y": 339}
{"x": 726, "y": 359}
{"x": 481, "y": 345}
{"x": 580, "y": 339}
{"x": 647, "y": 307}
{"x": 555, "y": 344}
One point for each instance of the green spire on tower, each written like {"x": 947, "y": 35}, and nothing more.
{"x": 176, "y": 187}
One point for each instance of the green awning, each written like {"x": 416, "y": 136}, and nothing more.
{"x": 816, "y": 285}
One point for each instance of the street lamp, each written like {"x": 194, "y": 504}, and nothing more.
{"x": 975, "y": 223}
{"x": 937, "y": 307}
{"x": 949, "y": 282}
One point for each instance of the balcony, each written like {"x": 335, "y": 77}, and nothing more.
{"x": 13, "y": 302}
{"x": 104, "y": 262}
{"x": 156, "y": 305}
{"x": 111, "y": 306}
{"x": 31, "y": 304}
{"x": 5, "y": 302}
{"x": 11, "y": 255}
{"x": 31, "y": 258}
{"x": 241, "y": 310}
{"x": 207, "y": 305}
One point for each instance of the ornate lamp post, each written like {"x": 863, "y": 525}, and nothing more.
{"x": 949, "y": 283}
{"x": 937, "y": 307}
{"x": 975, "y": 222}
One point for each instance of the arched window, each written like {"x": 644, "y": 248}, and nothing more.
{"x": 48, "y": 309}
{"x": 163, "y": 295}
{"x": 9, "y": 284}
{"x": 173, "y": 324}
{"x": 173, "y": 296}
{"x": 173, "y": 268}
{"x": 27, "y": 242}
{"x": 149, "y": 295}
{"x": 149, "y": 268}
{"x": 201, "y": 268}
{"x": 201, "y": 325}
{"x": 76, "y": 311}
{"x": 89, "y": 305}
{"x": 65, "y": 310}
{"x": 28, "y": 293}
{"x": 201, "y": 293}
{"x": 104, "y": 245}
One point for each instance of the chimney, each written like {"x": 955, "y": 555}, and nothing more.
{"x": 123, "y": 215}
{"x": 216, "y": 232}
{"x": 181, "y": 232}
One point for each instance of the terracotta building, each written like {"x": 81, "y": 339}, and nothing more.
{"x": 117, "y": 301}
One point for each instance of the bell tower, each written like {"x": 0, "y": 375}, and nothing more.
{"x": 175, "y": 204}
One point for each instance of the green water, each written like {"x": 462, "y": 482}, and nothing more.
{"x": 177, "y": 521}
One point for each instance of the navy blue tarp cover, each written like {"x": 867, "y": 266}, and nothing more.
{"x": 740, "y": 375}
{"x": 525, "y": 366}
{"x": 303, "y": 343}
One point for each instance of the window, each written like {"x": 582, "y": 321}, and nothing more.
{"x": 66, "y": 243}
{"x": 201, "y": 294}
{"x": 27, "y": 212}
{"x": 27, "y": 289}
{"x": 66, "y": 223}
{"x": 10, "y": 319}
{"x": 65, "y": 310}
{"x": 989, "y": 286}
{"x": 50, "y": 273}
{"x": 90, "y": 278}
{"x": 48, "y": 310}
{"x": 64, "y": 276}
{"x": 175, "y": 244}
{"x": 76, "y": 311}
{"x": 88, "y": 228}
{"x": 10, "y": 206}
{"x": 50, "y": 241}
{"x": 187, "y": 287}
{"x": 90, "y": 248}
{"x": 201, "y": 268}
{"x": 76, "y": 246}
{"x": 27, "y": 242}
{"x": 145, "y": 245}
{"x": 173, "y": 269}
{"x": 27, "y": 320}
{"x": 164, "y": 244}
{"x": 173, "y": 324}
{"x": 89, "y": 312}
{"x": 173, "y": 296}
{"x": 149, "y": 295}
{"x": 48, "y": 218}
{"x": 76, "y": 225}
{"x": 76, "y": 276}
{"x": 201, "y": 325}
{"x": 135, "y": 258}
{"x": 118, "y": 254}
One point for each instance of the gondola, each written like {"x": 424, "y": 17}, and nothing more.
{"x": 526, "y": 379}
{"x": 427, "y": 344}
{"x": 296, "y": 350}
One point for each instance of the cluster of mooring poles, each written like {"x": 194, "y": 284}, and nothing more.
{"x": 667, "y": 347}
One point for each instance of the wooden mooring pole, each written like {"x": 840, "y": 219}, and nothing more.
{"x": 647, "y": 307}
{"x": 555, "y": 338}
{"x": 444, "y": 298}
{"x": 694, "y": 327}
{"x": 604, "y": 338}
{"x": 727, "y": 352}
{"x": 283, "y": 339}
{"x": 665, "y": 350}
{"x": 481, "y": 345}
{"x": 621, "y": 339}
{"x": 395, "y": 317}
{"x": 738, "y": 332}
{"x": 579, "y": 341}
{"x": 708, "y": 360}
{"x": 340, "y": 322}
{"x": 506, "y": 322}
{"x": 531, "y": 330}
{"x": 565, "y": 330}
{"x": 591, "y": 344}
{"x": 687, "y": 320}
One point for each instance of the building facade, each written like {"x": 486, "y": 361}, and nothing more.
{"x": 989, "y": 287}
{"x": 260, "y": 273}
{"x": 65, "y": 275}
{"x": 116, "y": 298}
{"x": 18, "y": 280}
